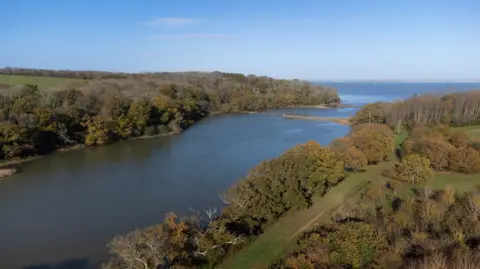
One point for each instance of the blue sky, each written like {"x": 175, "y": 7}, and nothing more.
{"x": 307, "y": 39}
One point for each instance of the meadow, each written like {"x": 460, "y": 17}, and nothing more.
{"x": 44, "y": 83}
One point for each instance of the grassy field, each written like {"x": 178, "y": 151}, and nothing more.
{"x": 472, "y": 131}
{"x": 43, "y": 82}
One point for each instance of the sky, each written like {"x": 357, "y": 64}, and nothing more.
{"x": 305, "y": 39}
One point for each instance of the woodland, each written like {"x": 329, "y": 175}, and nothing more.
{"x": 98, "y": 108}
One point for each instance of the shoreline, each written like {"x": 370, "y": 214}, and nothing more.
{"x": 11, "y": 167}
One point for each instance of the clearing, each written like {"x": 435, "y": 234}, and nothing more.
{"x": 43, "y": 82}
{"x": 472, "y": 131}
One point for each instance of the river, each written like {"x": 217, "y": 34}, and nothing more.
{"x": 61, "y": 210}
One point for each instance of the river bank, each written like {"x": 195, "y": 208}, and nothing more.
{"x": 11, "y": 167}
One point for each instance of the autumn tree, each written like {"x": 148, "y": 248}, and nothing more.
{"x": 340, "y": 146}
{"x": 355, "y": 159}
{"x": 459, "y": 139}
{"x": 167, "y": 244}
{"x": 356, "y": 244}
{"x": 413, "y": 169}
{"x": 374, "y": 140}
{"x": 464, "y": 160}
{"x": 370, "y": 113}
{"x": 436, "y": 150}
{"x": 98, "y": 132}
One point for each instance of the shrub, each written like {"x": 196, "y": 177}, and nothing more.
{"x": 150, "y": 131}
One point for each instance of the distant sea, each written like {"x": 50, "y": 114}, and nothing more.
{"x": 360, "y": 93}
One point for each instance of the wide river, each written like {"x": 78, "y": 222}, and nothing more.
{"x": 62, "y": 210}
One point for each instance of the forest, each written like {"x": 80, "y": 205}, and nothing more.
{"x": 396, "y": 223}
{"x": 101, "y": 107}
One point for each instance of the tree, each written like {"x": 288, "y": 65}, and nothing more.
{"x": 355, "y": 244}
{"x": 464, "y": 160}
{"x": 413, "y": 169}
{"x": 434, "y": 149}
{"x": 355, "y": 159}
{"x": 288, "y": 182}
{"x": 151, "y": 247}
{"x": 370, "y": 113}
{"x": 340, "y": 146}
{"x": 98, "y": 132}
{"x": 374, "y": 140}
{"x": 459, "y": 139}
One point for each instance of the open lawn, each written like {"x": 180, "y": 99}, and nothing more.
{"x": 44, "y": 83}
{"x": 472, "y": 131}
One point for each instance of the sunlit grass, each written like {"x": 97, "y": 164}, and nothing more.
{"x": 44, "y": 83}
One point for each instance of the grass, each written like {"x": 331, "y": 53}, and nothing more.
{"x": 43, "y": 82}
{"x": 400, "y": 138}
{"x": 472, "y": 131}
{"x": 280, "y": 237}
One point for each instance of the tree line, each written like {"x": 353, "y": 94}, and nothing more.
{"x": 284, "y": 184}
{"x": 100, "y": 111}
{"x": 456, "y": 109}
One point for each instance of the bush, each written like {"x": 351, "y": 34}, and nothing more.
{"x": 150, "y": 131}
{"x": 162, "y": 129}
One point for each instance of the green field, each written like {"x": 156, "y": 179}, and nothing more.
{"x": 44, "y": 83}
{"x": 472, "y": 131}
